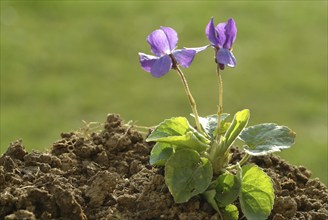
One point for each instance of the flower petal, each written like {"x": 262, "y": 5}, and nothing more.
{"x": 230, "y": 33}
{"x": 159, "y": 43}
{"x": 220, "y": 30}
{"x": 211, "y": 33}
{"x": 172, "y": 37}
{"x": 197, "y": 49}
{"x": 184, "y": 57}
{"x": 225, "y": 56}
{"x": 147, "y": 61}
{"x": 161, "y": 66}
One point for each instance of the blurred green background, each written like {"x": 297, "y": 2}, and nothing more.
{"x": 67, "y": 61}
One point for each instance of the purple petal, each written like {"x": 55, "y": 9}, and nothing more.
{"x": 147, "y": 61}
{"x": 184, "y": 57}
{"x": 225, "y": 56}
{"x": 220, "y": 30}
{"x": 230, "y": 33}
{"x": 159, "y": 43}
{"x": 161, "y": 66}
{"x": 211, "y": 33}
{"x": 197, "y": 49}
{"x": 172, "y": 37}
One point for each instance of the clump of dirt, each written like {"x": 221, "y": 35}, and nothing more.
{"x": 106, "y": 175}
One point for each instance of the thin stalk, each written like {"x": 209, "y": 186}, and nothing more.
{"x": 241, "y": 162}
{"x": 220, "y": 107}
{"x": 244, "y": 159}
{"x": 190, "y": 98}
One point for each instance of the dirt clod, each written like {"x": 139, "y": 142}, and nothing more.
{"x": 106, "y": 175}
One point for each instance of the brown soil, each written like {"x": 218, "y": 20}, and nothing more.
{"x": 106, "y": 175}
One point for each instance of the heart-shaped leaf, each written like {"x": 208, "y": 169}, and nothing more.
{"x": 267, "y": 138}
{"x": 227, "y": 189}
{"x": 187, "y": 174}
{"x": 177, "y": 131}
{"x": 257, "y": 195}
{"x": 210, "y": 198}
{"x": 223, "y": 191}
{"x": 160, "y": 153}
{"x": 176, "y": 126}
{"x": 230, "y": 212}
{"x": 210, "y": 124}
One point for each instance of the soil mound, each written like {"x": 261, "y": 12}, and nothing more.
{"x": 106, "y": 175}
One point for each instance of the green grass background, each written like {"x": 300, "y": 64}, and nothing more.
{"x": 67, "y": 61}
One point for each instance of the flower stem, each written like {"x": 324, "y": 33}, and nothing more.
{"x": 220, "y": 108}
{"x": 190, "y": 98}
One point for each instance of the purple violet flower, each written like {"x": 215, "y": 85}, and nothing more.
{"x": 222, "y": 37}
{"x": 163, "y": 45}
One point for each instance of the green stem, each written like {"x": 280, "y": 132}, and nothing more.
{"x": 244, "y": 159}
{"x": 241, "y": 162}
{"x": 220, "y": 108}
{"x": 190, "y": 98}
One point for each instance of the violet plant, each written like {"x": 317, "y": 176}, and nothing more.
{"x": 197, "y": 159}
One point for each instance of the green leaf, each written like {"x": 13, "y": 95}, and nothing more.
{"x": 257, "y": 193}
{"x": 187, "y": 174}
{"x": 227, "y": 189}
{"x": 170, "y": 127}
{"x": 224, "y": 127}
{"x": 177, "y": 131}
{"x": 210, "y": 124}
{"x": 223, "y": 191}
{"x": 230, "y": 212}
{"x": 210, "y": 198}
{"x": 239, "y": 122}
{"x": 267, "y": 138}
{"x": 160, "y": 153}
